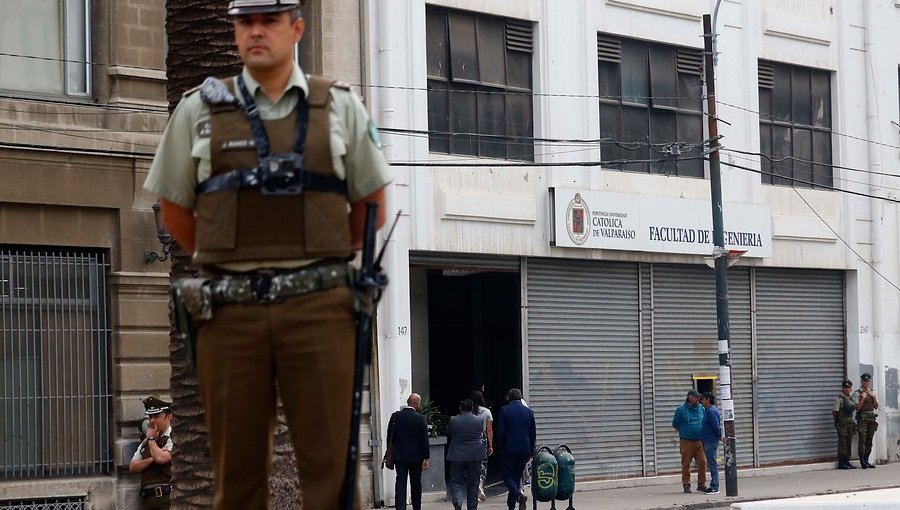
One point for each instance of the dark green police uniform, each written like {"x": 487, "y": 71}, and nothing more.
{"x": 156, "y": 478}
{"x": 865, "y": 422}
{"x": 843, "y": 423}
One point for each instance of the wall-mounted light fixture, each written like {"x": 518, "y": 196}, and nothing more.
{"x": 164, "y": 238}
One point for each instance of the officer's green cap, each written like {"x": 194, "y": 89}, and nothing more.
{"x": 239, "y": 7}
{"x": 848, "y": 383}
{"x": 155, "y": 405}
{"x": 865, "y": 377}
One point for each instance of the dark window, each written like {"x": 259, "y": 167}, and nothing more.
{"x": 795, "y": 125}
{"x": 650, "y": 104}
{"x": 479, "y": 85}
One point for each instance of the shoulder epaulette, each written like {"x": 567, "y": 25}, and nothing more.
{"x": 215, "y": 92}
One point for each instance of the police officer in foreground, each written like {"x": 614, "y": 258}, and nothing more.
{"x": 866, "y": 404}
{"x": 153, "y": 458}
{"x": 842, "y": 411}
{"x": 264, "y": 177}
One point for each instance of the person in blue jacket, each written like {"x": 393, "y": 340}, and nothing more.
{"x": 711, "y": 431}
{"x": 687, "y": 421}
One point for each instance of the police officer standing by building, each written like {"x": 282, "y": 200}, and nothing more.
{"x": 866, "y": 405}
{"x": 842, "y": 411}
{"x": 265, "y": 178}
{"x": 153, "y": 458}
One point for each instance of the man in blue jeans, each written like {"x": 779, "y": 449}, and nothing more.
{"x": 711, "y": 432}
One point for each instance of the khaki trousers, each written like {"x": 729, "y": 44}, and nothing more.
{"x": 692, "y": 450}
{"x": 305, "y": 344}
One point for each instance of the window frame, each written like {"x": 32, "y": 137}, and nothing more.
{"x": 75, "y": 17}
{"x": 685, "y": 61}
{"x": 779, "y": 135}
{"x": 479, "y": 140}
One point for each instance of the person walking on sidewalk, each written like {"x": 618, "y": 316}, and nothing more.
{"x": 487, "y": 437}
{"x": 408, "y": 432}
{"x": 866, "y": 405}
{"x": 516, "y": 436}
{"x": 465, "y": 454}
{"x": 842, "y": 411}
{"x": 711, "y": 431}
{"x": 687, "y": 421}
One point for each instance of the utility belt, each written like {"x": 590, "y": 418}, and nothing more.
{"x": 194, "y": 300}
{"x": 866, "y": 415}
{"x": 157, "y": 491}
{"x": 202, "y": 294}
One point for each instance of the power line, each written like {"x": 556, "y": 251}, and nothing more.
{"x": 800, "y": 160}
{"x": 832, "y": 132}
{"x": 529, "y": 164}
{"x": 860, "y": 257}
{"x": 842, "y": 179}
{"x": 810, "y": 184}
{"x": 69, "y": 61}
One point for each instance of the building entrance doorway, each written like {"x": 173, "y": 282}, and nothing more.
{"x": 466, "y": 335}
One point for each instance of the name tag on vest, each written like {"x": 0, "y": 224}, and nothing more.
{"x": 233, "y": 145}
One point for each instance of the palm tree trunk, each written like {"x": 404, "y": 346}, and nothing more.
{"x": 201, "y": 44}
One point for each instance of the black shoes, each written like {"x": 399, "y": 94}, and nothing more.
{"x": 711, "y": 491}
{"x": 864, "y": 462}
{"x": 702, "y": 488}
{"x": 687, "y": 488}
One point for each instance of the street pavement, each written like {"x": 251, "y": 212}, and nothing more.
{"x": 665, "y": 492}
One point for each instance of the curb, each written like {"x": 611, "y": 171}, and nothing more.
{"x": 718, "y": 504}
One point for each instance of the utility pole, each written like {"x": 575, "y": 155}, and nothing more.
{"x": 726, "y": 396}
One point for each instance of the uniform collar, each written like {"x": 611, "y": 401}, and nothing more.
{"x": 168, "y": 432}
{"x": 297, "y": 79}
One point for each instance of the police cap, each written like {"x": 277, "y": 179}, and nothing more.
{"x": 865, "y": 377}
{"x": 239, "y": 7}
{"x": 848, "y": 383}
{"x": 156, "y": 405}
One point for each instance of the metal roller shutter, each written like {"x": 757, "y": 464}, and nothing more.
{"x": 583, "y": 361}
{"x": 647, "y": 376}
{"x": 685, "y": 343}
{"x": 800, "y": 361}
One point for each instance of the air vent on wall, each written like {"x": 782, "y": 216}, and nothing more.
{"x": 609, "y": 50}
{"x": 689, "y": 61}
{"x": 518, "y": 36}
{"x": 766, "y": 75}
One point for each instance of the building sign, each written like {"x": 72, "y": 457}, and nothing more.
{"x": 616, "y": 221}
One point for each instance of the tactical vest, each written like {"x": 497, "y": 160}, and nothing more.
{"x": 845, "y": 410}
{"x": 868, "y": 406}
{"x": 156, "y": 474}
{"x": 245, "y": 224}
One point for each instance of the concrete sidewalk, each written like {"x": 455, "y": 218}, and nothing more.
{"x": 665, "y": 492}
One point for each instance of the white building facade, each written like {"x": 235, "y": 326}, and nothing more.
{"x": 555, "y": 217}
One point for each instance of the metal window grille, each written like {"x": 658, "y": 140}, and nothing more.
{"x": 75, "y": 503}
{"x": 54, "y": 364}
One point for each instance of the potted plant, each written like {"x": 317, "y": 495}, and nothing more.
{"x": 434, "y": 480}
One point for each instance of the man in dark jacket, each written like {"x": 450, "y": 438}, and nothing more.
{"x": 711, "y": 431}
{"x": 408, "y": 432}
{"x": 465, "y": 455}
{"x": 515, "y": 435}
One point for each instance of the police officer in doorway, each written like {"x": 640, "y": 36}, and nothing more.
{"x": 153, "y": 458}
{"x": 842, "y": 411}
{"x": 866, "y": 405}
{"x": 265, "y": 177}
